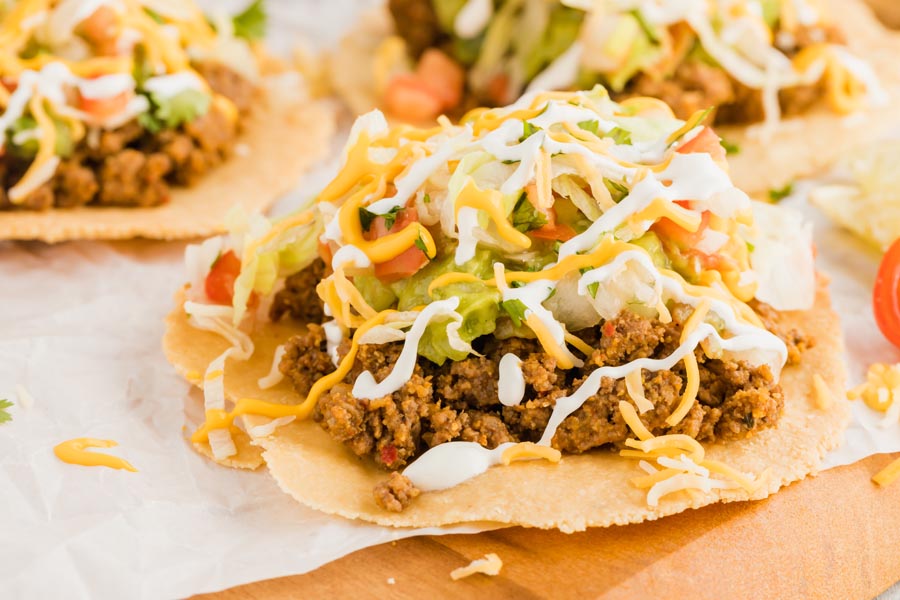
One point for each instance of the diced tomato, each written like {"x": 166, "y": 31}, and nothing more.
{"x": 219, "y": 283}
{"x": 706, "y": 141}
{"x": 389, "y": 454}
{"x": 325, "y": 253}
{"x": 669, "y": 230}
{"x": 103, "y": 108}
{"x": 407, "y": 262}
{"x": 886, "y": 295}
{"x": 556, "y": 231}
{"x": 443, "y": 76}
{"x": 498, "y": 89}
{"x": 409, "y": 97}
{"x": 101, "y": 29}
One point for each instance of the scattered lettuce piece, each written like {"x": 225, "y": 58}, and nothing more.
{"x": 251, "y": 23}
{"x": 170, "y": 113}
{"x": 64, "y": 144}
{"x": 4, "y": 414}
{"x": 515, "y": 309}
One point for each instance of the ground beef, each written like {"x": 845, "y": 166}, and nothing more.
{"x": 695, "y": 85}
{"x": 131, "y": 166}
{"x": 229, "y": 83}
{"x": 395, "y": 493}
{"x": 458, "y": 400}
{"x": 796, "y": 341}
{"x": 298, "y": 299}
{"x": 417, "y": 23}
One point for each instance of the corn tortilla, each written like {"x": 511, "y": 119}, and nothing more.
{"x": 801, "y": 146}
{"x": 589, "y": 490}
{"x": 280, "y": 140}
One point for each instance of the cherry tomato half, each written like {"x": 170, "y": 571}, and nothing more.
{"x": 886, "y": 295}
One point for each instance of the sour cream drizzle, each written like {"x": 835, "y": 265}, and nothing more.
{"x": 511, "y": 384}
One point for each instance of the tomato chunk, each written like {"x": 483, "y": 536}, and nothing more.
{"x": 443, "y": 76}
{"x": 409, "y": 97}
{"x": 219, "y": 283}
{"x": 407, "y": 262}
{"x": 101, "y": 29}
{"x": 706, "y": 141}
{"x": 886, "y": 295}
{"x": 553, "y": 232}
{"x": 103, "y": 108}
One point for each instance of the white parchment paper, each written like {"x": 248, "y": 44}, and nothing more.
{"x": 80, "y": 329}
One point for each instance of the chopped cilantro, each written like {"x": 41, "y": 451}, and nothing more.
{"x": 390, "y": 217}
{"x": 620, "y": 136}
{"x": 366, "y": 218}
{"x": 777, "y": 195}
{"x": 251, "y": 23}
{"x": 592, "y": 288}
{"x": 592, "y": 126}
{"x": 528, "y": 130}
{"x": 730, "y": 147}
{"x": 526, "y": 217}
{"x": 750, "y": 247}
{"x": 516, "y": 284}
{"x": 515, "y": 309}
{"x": 4, "y": 415}
{"x": 426, "y": 199}
{"x": 420, "y": 244}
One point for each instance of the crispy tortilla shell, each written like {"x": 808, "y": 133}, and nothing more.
{"x": 280, "y": 140}
{"x": 589, "y": 490}
{"x": 801, "y": 146}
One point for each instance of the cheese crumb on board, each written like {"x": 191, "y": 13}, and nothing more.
{"x": 489, "y": 565}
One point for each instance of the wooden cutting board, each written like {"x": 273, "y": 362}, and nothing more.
{"x": 835, "y": 536}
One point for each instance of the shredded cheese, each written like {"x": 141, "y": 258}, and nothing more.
{"x": 889, "y": 474}
{"x": 489, "y": 565}
{"x": 529, "y": 451}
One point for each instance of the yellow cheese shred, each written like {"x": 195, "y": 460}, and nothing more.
{"x": 634, "y": 385}
{"x": 489, "y": 565}
{"x": 46, "y": 152}
{"x": 74, "y": 452}
{"x": 530, "y": 451}
{"x": 691, "y": 368}
{"x": 491, "y": 202}
{"x": 634, "y": 421}
{"x": 822, "y": 396}
{"x": 888, "y": 475}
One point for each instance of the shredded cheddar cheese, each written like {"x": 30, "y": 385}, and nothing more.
{"x": 489, "y": 565}
{"x": 530, "y": 451}
{"x": 75, "y": 452}
{"x": 888, "y": 475}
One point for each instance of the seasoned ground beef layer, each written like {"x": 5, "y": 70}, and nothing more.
{"x": 695, "y": 85}
{"x": 131, "y": 166}
{"x": 459, "y": 401}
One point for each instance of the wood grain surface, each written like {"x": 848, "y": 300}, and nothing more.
{"x": 835, "y": 536}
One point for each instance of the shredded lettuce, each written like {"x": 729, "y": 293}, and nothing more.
{"x": 250, "y": 23}
{"x": 479, "y": 305}
{"x": 28, "y": 149}
{"x": 172, "y": 112}
{"x": 4, "y": 414}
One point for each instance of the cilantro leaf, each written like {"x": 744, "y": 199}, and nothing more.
{"x": 592, "y": 126}
{"x": 390, "y": 217}
{"x": 730, "y": 147}
{"x": 420, "y": 244}
{"x": 4, "y": 415}
{"x": 528, "y": 130}
{"x": 426, "y": 199}
{"x": 515, "y": 309}
{"x": 526, "y": 217}
{"x": 592, "y": 288}
{"x": 777, "y": 195}
{"x": 251, "y": 23}
{"x": 365, "y": 218}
